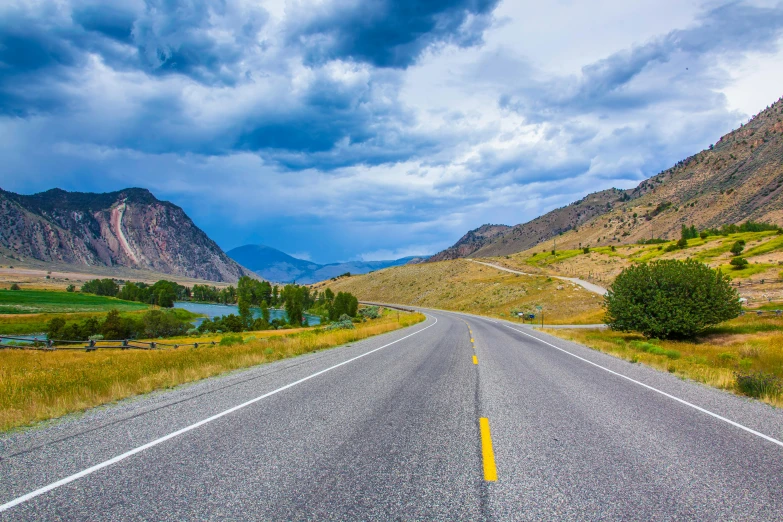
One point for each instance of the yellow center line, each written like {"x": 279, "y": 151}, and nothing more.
{"x": 471, "y": 340}
{"x": 488, "y": 454}
{"x": 475, "y": 360}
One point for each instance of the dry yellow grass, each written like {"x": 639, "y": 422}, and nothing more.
{"x": 464, "y": 286}
{"x": 36, "y": 385}
{"x": 744, "y": 345}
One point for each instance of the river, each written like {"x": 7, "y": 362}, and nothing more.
{"x": 217, "y": 310}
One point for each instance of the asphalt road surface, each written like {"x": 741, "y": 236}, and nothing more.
{"x": 419, "y": 424}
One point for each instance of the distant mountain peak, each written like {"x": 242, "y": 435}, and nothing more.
{"x": 277, "y": 266}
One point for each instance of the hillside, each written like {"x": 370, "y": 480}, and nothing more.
{"x": 472, "y": 241}
{"x": 128, "y": 228}
{"x": 740, "y": 178}
{"x": 277, "y": 266}
{"x": 463, "y": 286}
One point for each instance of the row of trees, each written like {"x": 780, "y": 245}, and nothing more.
{"x": 249, "y": 293}
{"x": 296, "y": 300}
{"x": 153, "y": 324}
{"x": 691, "y": 232}
{"x": 163, "y": 293}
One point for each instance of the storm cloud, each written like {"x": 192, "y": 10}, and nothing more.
{"x": 345, "y": 129}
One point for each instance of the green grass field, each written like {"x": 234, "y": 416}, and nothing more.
{"x": 46, "y": 302}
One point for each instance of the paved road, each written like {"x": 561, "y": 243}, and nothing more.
{"x": 389, "y": 428}
{"x": 600, "y": 290}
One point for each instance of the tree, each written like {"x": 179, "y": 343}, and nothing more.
{"x": 670, "y": 299}
{"x": 738, "y": 247}
{"x": 70, "y": 288}
{"x": 344, "y": 304}
{"x": 14, "y": 287}
{"x": 244, "y": 311}
{"x": 293, "y": 297}
{"x": 264, "y": 311}
{"x": 115, "y": 327}
{"x": 105, "y": 287}
{"x": 739, "y": 263}
{"x": 682, "y": 243}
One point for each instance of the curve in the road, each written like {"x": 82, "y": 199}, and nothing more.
{"x": 581, "y": 282}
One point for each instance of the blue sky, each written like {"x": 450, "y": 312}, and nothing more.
{"x": 346, "y": 129}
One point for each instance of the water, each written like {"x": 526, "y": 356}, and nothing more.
{"x": 217, "y": 310}
{"x": 26, "y": 337}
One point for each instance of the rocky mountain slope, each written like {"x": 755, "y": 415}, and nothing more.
{"x": 472, "y": 241}
{"x": 129, "y": 228}
{"x": 277, "y": 266}
{"x": 739, "y": 178}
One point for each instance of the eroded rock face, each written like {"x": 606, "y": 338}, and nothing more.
{"x": 129, "y": 228}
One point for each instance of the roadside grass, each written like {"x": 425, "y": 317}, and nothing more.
{"x": 463, "y": 286}
{"x": 37, "y": 385}
{"x": 42, "y": 301}
{"x": 26, "y": 324}
{"x": 744, "y": 355}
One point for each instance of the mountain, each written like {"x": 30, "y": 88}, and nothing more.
{"x": 739, "y": 178}
{"x": 472, "y": 241}
{"x": 274, "y": 265}
{"x": 128, "y": 228}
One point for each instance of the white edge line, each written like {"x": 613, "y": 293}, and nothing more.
{"x": 656, "y": 390}
{"x": 118, "y": 458}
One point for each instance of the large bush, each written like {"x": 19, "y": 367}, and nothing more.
{"x": 670, "y": 299}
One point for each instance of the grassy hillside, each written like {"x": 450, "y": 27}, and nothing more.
{"x": 763, "y": 250}
{"x": 460, "y": 285}
{"x": 739, "y": 178}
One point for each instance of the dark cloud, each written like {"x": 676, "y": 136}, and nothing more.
{"x": 389, "y": 33}
{"x": 217, "y": 106}
{"x": 176, "y": 36}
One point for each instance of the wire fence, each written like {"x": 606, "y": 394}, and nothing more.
{"x": 50, "y": 345}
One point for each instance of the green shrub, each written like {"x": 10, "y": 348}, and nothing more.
{"x": 727, "y": 357}
{"x": 228, "y": 340}
{"x": 370, "y": 312}
{"x": 738, "y": 247}
{"x": 739, "y": 263}
{"x": 758, "y": 384}
{"x": 345, "y": 324}
{"x": 14, "y": 287}
{"x": 670, "y": 299}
